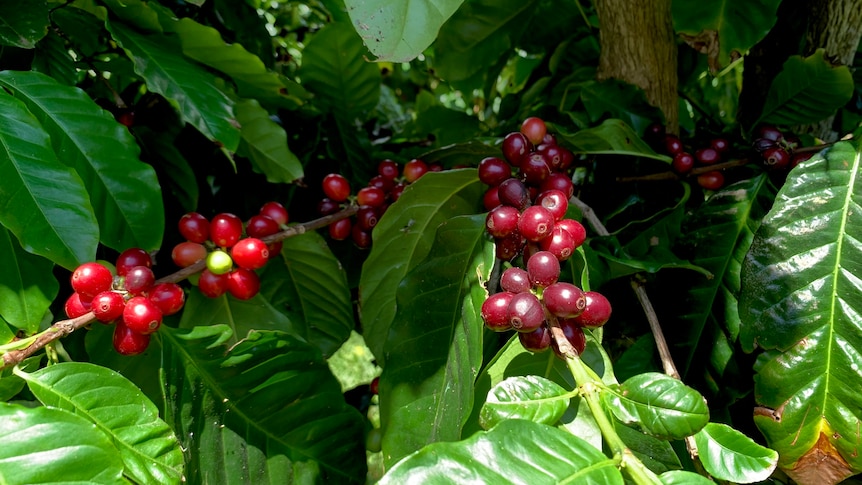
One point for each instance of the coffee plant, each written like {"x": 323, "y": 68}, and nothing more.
{"x": 466, "y": 241}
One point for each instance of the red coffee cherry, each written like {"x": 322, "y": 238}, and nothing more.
{"x": 194, "y": 227}
{"x": 128, "y": 342}
{"x": 250, "y": 253}
{"x": 336, "y": 187}
{"x": 495, "y": 311}
{"x": 142, "y": 315}
{"x": 108, "y": 306}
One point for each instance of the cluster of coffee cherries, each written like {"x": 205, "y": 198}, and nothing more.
{"x": 685, "y": 159}
{"x": 128, "y": 297}
{"x": 382, "y": 190}
{"x": 532, "y": 297}
{"x": 231, "y": 259}
{"x": 777, "y": 149}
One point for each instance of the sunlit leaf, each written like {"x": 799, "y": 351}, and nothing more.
{"x": 613, "y": 136}
{"x": 729, "y": 455}
{"x": 265, "y": 144}
{"x": 530, "y": 397}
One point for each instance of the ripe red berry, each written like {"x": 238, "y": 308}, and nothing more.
{"x": 491, "y": 199}
{"x": 396, "y": 191}
{"x": 555, "y": 201}
{"x": 388, "y": 169}
{"x": 108, "y": 306}
{"x": 340, "y": 230}
{"x": 558, "y": 181}
{"x": 225, "y": 229}
{"x": 336, "y": 187}
{"x": 560, "y": 243}
{"x": 261, "y": 226}
{"x": 126, "y": 117}
{"x": 575, "y": 229}
{"x": 539, "y": 340}
{"x": 554, "y": 156}
{"x": 361, "y": 238}
{"x": 169, "y": 298}
{"x": 770, "y": 133}
{"x": 534, "y": 129}
{"x": 275, "y": 211}
{"x": 515, "y": 145}
{"x": 90, "y": 279}
{"x": 707, "y": 156}
{"x": 712, "y": 180}
{"x": 327, "y": 206}
{"x": 493, "y": 171}
{"x": 495, "y": 311}
{"x": 574, "y": 334}
{"x": 188, "y": 253}
{"x": 513, "y": 192}
{"x": 366, "y": 218}
{"x": 75, "y": 307}
{"x": 673, "y": 144}
{"x": 508, "y": 247}
{"x": 502, "y": 221}
{"x": 243, "y": 283}
{"x": 536, "y": 223}
{"x": 776, "y": 158}
{"x": 128, "y": 342}
{"x": 371, "y": 196}
{"x": 515, "y": 280}
{"x": 250, "y": 253}
{"x": 534, "y": 168}
{"x": 138, "y": 280}
{"x": 543, "y": 269}
{"x": 720, "y": 145}
{"x": 682, "y": 163}
{"x": 194, "y": 227}
{"x": 525, "y": 312}
{"x": 142, "y": 316}
{"x": 414, "y": 169}
{"x": 132, "y": 257}
{"x": 212, "y": 285}
{"x": 564, "y": 300}
{"x": 597, "y": 310}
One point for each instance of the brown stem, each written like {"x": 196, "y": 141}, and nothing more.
{"x": 671, "y": 175}
{"x": 65, "y": 327}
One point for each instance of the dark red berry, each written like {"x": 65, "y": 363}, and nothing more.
{"x": 515, "y": 145}
{"x": 261, "y": 226}
{"x": 539, "y": 340}
{"x": 554, "y": 156}
{"x": 141, "y": 315}
{"x": 361, "y": 238}
{"x": 534, "y": 168}
{"x": 564, "y": 300}
{"x": 763, "y": 144}
{"x": 555, "y": 201}
{"x": 509, "y": 247}
{"x": 712, "y": 180}
{"x": 558, "y": 181}
{"x": 371, "y": 196}
{"x": 366, "y": 218}
{"x": 75, "y": 307}
{"x": 574, "y": 334}
{"x": 536, "y": 223}
{"x": 374, "y": 386}
{"x": 493, "y": 171}
{"x": 596, "y": 312}
{"x": 534, "y": 129}
{"x": 169, "y": 298}
{"x": 720, "y": 145}
{"x": 491, "y": 199}
{"x": 336, "y": 187}
{"x": 243, "y": 283}
{"x": 560, "y": 243}
{"x": 776, "y": 158}
{"x": 388, "y": 169}
{"x": 396, "y": 191}
{"x": 188, "y": 253}
{"x": 382, "y": 183}
{"x": 250, "y": 253}
{"x": 575, "y": 229}
{"x": 212, "y": 285}
{"x": 414, "y": 169}
{"x": 682, "y": 163}
{"x": 525, "y": 312}
{"x": 707, "y": 156}
{"x": 502, "y": 221}
{"x": 138, "y": 280}
{"x": 275, "y": 211}
{"x": 513, "y": 192}
{"x": 673, "y": 144}
{"x": 108, "y": 306}
{"x": 495, "y": 311}
{"x": 90, "y": 279}
{"x": 225, "y": 229}
{"x": 515, "y": 280}
{"x": 340, "y": 230}
{"x": 438, "y": 167}
{"x": 127, "y": 342}
{"x": 327, "y": 206}
{"x": 126, "y": 117}
{"x": 655, "y": 131}
{"x": 543, "y": 268}
{"x": 132, "y": 257}
{"x": 770, "y": 133}
{"x": 194, "y": 227}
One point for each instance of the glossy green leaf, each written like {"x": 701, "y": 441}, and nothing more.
{"x": 403, "y": 237}
{"x": 158, "y": 60}
{"x": 27, "y": 286}
{"x": 446, "y": 126}
{"x": 680, "y": 477}
{"x": 124, "y": 192}
{"x": 620, "y": 100}
{"x": 142, "y": 369}
{"x": 309, "y": 285}
{"x": 479, "y": 35}
{"x": 434, "y": 347}
{"x": 10, "y": 383}
{"x": 657, "y": 454}
{"x": 148, "y": 447}
{"x": 801, "y": 296}
{"x": 729, "y": 455}
{"x": 613, "y": 136}
{"x": 399, "y": 31}
{"x": 44, "y": 445}
{"x": 530, "y": 397}
{"x": 137, "y": 13}
{"x": 205, "y": 45}
{"x": 736, "y": 26}
{"x": 264, "y": 410}
{"x": 334, "y": 67}
{"x": 466, "y": 153}
{"x": 42, "y": 201}
{"x": 658, "y": 405}
{"x": 241, "y": 316}
{"x": 807, "y": 90}
{"x": 515, "y": 451}
{"x": 23, "y": 27}
{"x": 265, "y": 144}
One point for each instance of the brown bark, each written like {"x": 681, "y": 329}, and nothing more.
{"x": 638, "y": 46}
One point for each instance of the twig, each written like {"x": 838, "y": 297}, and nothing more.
{"x": 65, "y": 327}
{"x": 671, "y": 175}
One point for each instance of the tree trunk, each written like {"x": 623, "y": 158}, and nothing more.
{"x": 638, "y": 46}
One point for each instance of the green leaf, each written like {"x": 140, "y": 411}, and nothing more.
{"x": 801, "y": 296}
{"x": 23, "y": 27}
{"x": 125, "y": 192}
{"x": 310, "y": 286}
{"x": 399, "y": 31}
{"x": 736, "y": 26}
{"x": 137, "y": 13}
{"x": 159, "y": 149}
{"x": 613, "y": 136}
{"x": 158, "y": 60}
{"x": 658, "y": 405}
{"x": 44, "y": 445}
{"x": 205, "y": 45}
{"x": 806, "y": 91}
{"x": 657, "y": 454}
{"x": 530, "y": 397}
{"x": 265, "y": 144}
{"x": 10, "y": 383}
{"x": 266, "y": 409}
{"x": 729, "y": 455}
{"x": 27, "y": 286}
{"x": 148, "y": 447}
{"x": 353, "y": 363}
{"x": 334, "y": 68}
{"x": 680, "y": 477}
{"x": 242, "y": 316}
{"x": 515, "y": 451}
{"x": 478, "y": 36}
{"x": 616, "y": 99}
{"x": 403, "y": 237}
{"x": 43, "y": 202}
{"x": 466, "y": 153}
{"x": 434, "y": 346}
{"x": 52, "y": 59}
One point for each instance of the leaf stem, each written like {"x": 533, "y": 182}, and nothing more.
{"x": 17, "y": 351}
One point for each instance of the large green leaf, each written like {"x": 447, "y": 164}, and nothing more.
{"x": 403, "y": 237}
{"x": 148, "y": 447}
{"x": 124, "y": 192}
{"x": 529, "y": 397}
{"x": 23, "y": 27}
{"x": 399, "y": 31}
{"x": 158, "y": 60}
{"x": 613, "y": 136}
{"x": 42, "y": 201}
{"x": 265, "y": 144}
{"x": 658, "y": 405}
{"x": 241, "y": 316}
{"x": 801, "y": 296}
{"x": 309, "y": 285}
{"x": 730, "y": 28}
{"x": 729, "y": 455}
{"x": 44, "y": 445}
{"x": 479, "y": 35}
{"x": 334, "y": 67}
{"x": 434, "y": 347}
{"x": 266, "y": 410}
{"x": 515, "y": 451}
{"x": 616, "y": 99}
{"x": 807, "y": 90}
{"x": 27, "y": 286}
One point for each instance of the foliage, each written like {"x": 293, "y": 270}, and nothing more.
{"x": 119, "y": 117}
